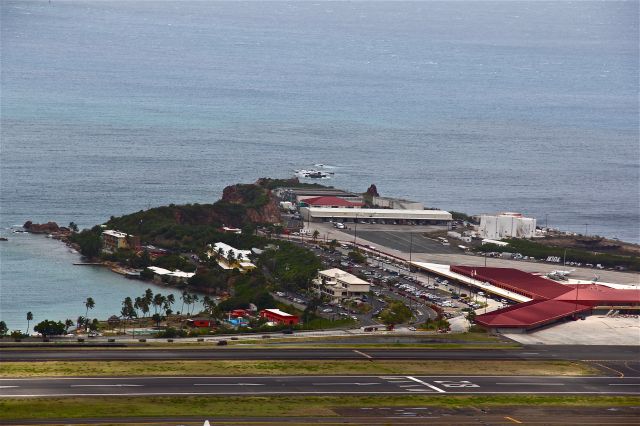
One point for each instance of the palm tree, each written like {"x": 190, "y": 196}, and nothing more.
{"x": 183, "y": 297}
{"x": 29, "y": 319}
{"x": 67, "y": 323}
{"x": 148, "y": 296}
{"x": 231, "y": 258}
{"x": 194, "y": 299}
{"x": 89, "y": 304}
{"x": 188, "y": 299}
{"x": 315, "y": 234}
{"x": 80, "y": 322}
{"x": 158, "y": 300}
{"x": 168, "y": 302}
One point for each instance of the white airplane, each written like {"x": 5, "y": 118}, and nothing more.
{"x": 560, "y": 273}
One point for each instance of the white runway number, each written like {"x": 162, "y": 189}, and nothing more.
{"x": 456, "y": 384}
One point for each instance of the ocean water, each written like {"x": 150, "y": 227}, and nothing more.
{"x": 112, "y": 107}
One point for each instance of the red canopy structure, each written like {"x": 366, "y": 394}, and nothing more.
{"x": 551, "y": 300}
{"x": 327, "y": 201}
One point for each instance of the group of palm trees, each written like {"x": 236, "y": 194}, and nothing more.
{"x": 131, "y": 308}
{"x": 82, "y": 321}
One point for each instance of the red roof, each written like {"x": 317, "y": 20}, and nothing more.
{"x": 330, "y": 201}
{"x": 532, "y": 286}
{"x": 530, "y": 314}
{"x": 551, "y": 300}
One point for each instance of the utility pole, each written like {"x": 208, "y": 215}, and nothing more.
{"x": 586, "y": 229}
{"x": 410, "y": 249}
{"x": 355, "y": 230}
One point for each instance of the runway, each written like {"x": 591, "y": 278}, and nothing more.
{"x": 533, "y": 352}
{"x": 316, "y": 385}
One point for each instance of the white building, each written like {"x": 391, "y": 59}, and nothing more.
{"x": 338, "y": 285}
{"x": 386, "y": 216}
{"x": 507, "y": 225}
{"x": 239, "y": 258}
{"x": 176, "y": 276}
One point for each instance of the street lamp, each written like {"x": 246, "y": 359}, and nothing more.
{"x": 355, "y": 230}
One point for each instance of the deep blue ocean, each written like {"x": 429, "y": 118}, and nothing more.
{"x": 112, "y": 107}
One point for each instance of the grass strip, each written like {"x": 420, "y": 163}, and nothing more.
{"x": 273, "y": 406}
{"x": 290, "y": 367}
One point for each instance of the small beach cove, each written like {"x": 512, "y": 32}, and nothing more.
{"x": 57, "y": 286}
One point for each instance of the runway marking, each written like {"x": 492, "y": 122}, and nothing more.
{"x": 620, "y": 373}
{"x": 303, "y": 393}
{"x": 512, "y": 419}
{"x": 363, "y": 354}
{"x": 456, "y": 384}
{"x": 105, "y": 386}
{"x": 228, "y": 384}
{"x": 426, "y": 384}
{"x": 347, "y": 383}
{"x": 533, "y": 384}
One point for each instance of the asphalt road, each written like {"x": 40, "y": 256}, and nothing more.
{"x": 560, "y": 352}
{"x": 317, "y": 385}
{"x": 406, "y": 242}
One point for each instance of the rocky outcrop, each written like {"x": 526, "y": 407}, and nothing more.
{"x": 43, "y": 228}
{"x": 269, "y": 213}
{"x": 372, "y": 191}
{"x": 258, "y": 202}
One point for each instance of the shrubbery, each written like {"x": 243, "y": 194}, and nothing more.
{"x": 541, "y": 251}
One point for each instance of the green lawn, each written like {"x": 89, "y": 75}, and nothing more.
{"x": 271, "y": 406}
{"x": 287, "y": 367}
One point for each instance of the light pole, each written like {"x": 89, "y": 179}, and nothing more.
{"x": 355, "y": 230}
{"x": 410, "y": 249}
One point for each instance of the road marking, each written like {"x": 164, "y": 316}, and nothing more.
{"x": 426, "y": 384}
{"x": 620, "y": 373}
{"x": 349, "y": 383}
{"x": 533, "y": 384}
{"x": 105, "y": 386}
{"x": 512, "y": 419}
{"x": 5, "y": 387}
{"x": 227, "y": 392}
{"x": 624, "y": 384}
{"x": 228, "y": 384}
{"x": 363, "y": 354}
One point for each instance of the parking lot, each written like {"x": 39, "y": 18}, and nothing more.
{"x": 391, "y": 279}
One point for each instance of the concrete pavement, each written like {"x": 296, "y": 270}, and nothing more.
{"x": 316, "y": 385}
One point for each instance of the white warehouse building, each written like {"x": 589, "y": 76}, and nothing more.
{"x": 507, "y": 225}
{"x": 387, "y": 216}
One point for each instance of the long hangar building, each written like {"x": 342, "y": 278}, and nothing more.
{"x": 382, "y": 216}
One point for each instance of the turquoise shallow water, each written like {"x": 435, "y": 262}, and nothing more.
{"x": 111, "y": 107}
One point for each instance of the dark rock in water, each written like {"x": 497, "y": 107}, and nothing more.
{"x": 4, "y": 239}
{"x": 41, "y": 228}
{"x": 373, "y": 191}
